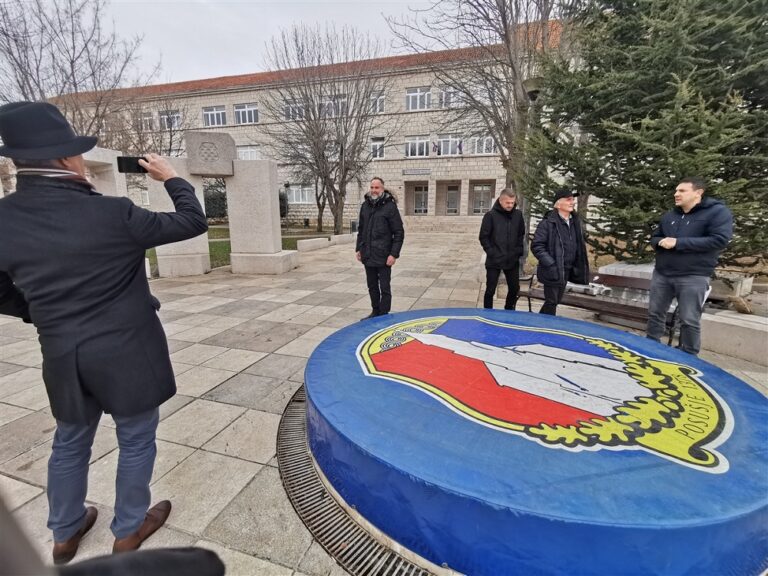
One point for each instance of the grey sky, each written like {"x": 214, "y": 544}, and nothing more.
{"x": 208, "y": 38}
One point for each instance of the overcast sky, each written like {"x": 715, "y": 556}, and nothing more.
{"x": 207, "y": 38}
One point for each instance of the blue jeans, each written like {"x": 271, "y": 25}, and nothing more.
{"x": 68, "y": 474}
{"x": 690, "y": 292}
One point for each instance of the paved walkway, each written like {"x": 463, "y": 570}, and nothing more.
{"x": 239, "y": 346}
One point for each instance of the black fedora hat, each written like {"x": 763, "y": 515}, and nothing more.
{"x": 39, "y": 131}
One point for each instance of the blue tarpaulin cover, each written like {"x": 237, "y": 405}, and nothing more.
{"x": 497, "y": 442}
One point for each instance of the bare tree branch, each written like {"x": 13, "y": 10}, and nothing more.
{"x": 59, "y": 50}
{"x": 491, "y": 79}
{"x": 324, "y": 111}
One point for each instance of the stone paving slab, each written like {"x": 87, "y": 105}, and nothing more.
{"x": 239, "y": 346}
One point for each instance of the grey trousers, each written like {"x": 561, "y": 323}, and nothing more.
{"x": 690, "y": 292}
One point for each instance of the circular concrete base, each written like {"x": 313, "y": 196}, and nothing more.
{"x": 495, "y": 442}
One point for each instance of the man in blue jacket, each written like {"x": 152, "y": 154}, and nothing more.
{"x": 687, "y": 241}
{"x": 72, "y": 263}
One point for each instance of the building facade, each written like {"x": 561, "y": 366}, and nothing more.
{"x": 443, "y": 180}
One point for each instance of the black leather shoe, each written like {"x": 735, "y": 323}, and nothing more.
{"x": 371, "y": 315}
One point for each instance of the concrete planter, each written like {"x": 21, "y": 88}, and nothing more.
{"x": 731, "y": 285}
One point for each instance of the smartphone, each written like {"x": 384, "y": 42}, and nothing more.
{"x": 130, "y": 165}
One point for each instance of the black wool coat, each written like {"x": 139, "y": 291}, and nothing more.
{"x": 502, "y": 235}
{"x": 547, "y": 246}
{"x": 77, "y": 259}
{"x": 380, "y": 230}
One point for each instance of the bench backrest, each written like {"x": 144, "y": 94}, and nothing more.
{"x": 621, "y": 281}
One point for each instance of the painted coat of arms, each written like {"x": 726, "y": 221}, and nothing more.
{"x": 560, "y": 389}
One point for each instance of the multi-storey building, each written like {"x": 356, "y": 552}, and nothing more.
{"x": 443, "y": 180}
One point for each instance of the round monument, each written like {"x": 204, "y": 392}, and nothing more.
{"x": 490, "y": 442}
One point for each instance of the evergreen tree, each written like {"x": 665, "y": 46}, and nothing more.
{"x": 660, "y": 90}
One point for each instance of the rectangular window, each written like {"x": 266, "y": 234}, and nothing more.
{"x": 246, "y": 114}
{"x": 170, "y": 120}
{"x": 484, "y": 145}
{"x": 377, "y": 148}
{"x": 333, "y": 106}
{"x": 377, "y": 103}
{"x": 421, "y": 199}
{"x": 449, "y": 145}
{"x": 250, "y": 152}
{"x": 214, "y": 116}
{"x": 452, "y": 199}
{"x": 482, "y": 198}
{"x": 145, "y": 197}
{"x": 293, "y": 111}
{"x": 418, "y": 98}
{"x": 301, "y": 194}
{"x": 416, "y": 146}
{"x": 147, "y": 121}
{"x": 449, "y": 98}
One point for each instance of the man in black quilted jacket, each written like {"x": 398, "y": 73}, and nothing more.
{"x": 502, "y": 235}
{"x": 380, "y": 236}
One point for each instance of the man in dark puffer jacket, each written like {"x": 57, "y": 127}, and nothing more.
{"x": 559, "y": 246}
{"x": 502, "y": 234}
{"x": 687, "y": 241}
{"x": 380, "y": 237}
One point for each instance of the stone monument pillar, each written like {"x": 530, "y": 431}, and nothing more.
{"x": 189, "y": 257}
{"x": 101, "y": 164}
{"x": 254, "y": 220}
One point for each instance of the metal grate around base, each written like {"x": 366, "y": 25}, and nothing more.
{"x": 357, "y": 551}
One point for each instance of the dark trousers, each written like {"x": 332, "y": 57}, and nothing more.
{"x": 379, "y": 289}
{"x": 492, "y": 280}
{"x": 553, "y": 293}
{"x": 690, "y": 292}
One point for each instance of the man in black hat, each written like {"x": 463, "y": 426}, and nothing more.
{"x": 559, "y": 246}
{"x": 72, "y": 263}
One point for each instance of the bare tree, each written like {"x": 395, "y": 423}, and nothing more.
{"x": 60, "y": 50}
{"x": 325, "y": 109}
{"x": 146, "y": 123}
{"x": 488, "y": 88}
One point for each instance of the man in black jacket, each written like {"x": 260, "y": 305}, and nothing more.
{"x": 688, "y": 241}
{"x": 72, "y": 263}
{"x": 559, "y": 246}
{"x": 502, "y": 235}
{"x": 380, "y": 237}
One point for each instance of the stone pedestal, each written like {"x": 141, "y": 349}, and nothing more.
{"x": 187, "y": 258}
{"x": 277, "y": 263}
{"x": 254, "y": 220}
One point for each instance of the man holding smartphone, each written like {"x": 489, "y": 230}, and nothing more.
{"x": 72, "y": 263}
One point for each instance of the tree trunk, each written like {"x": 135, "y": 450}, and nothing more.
{"x": 338, "y": 216}
{"x": 320, "y": 200}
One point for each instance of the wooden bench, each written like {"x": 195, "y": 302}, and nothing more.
{"x": 605, "y": 305}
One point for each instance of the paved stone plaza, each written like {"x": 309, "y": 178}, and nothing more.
{"x": 239, "y": 345}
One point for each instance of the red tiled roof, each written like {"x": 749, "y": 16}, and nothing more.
{"x": 259, "y": 79}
